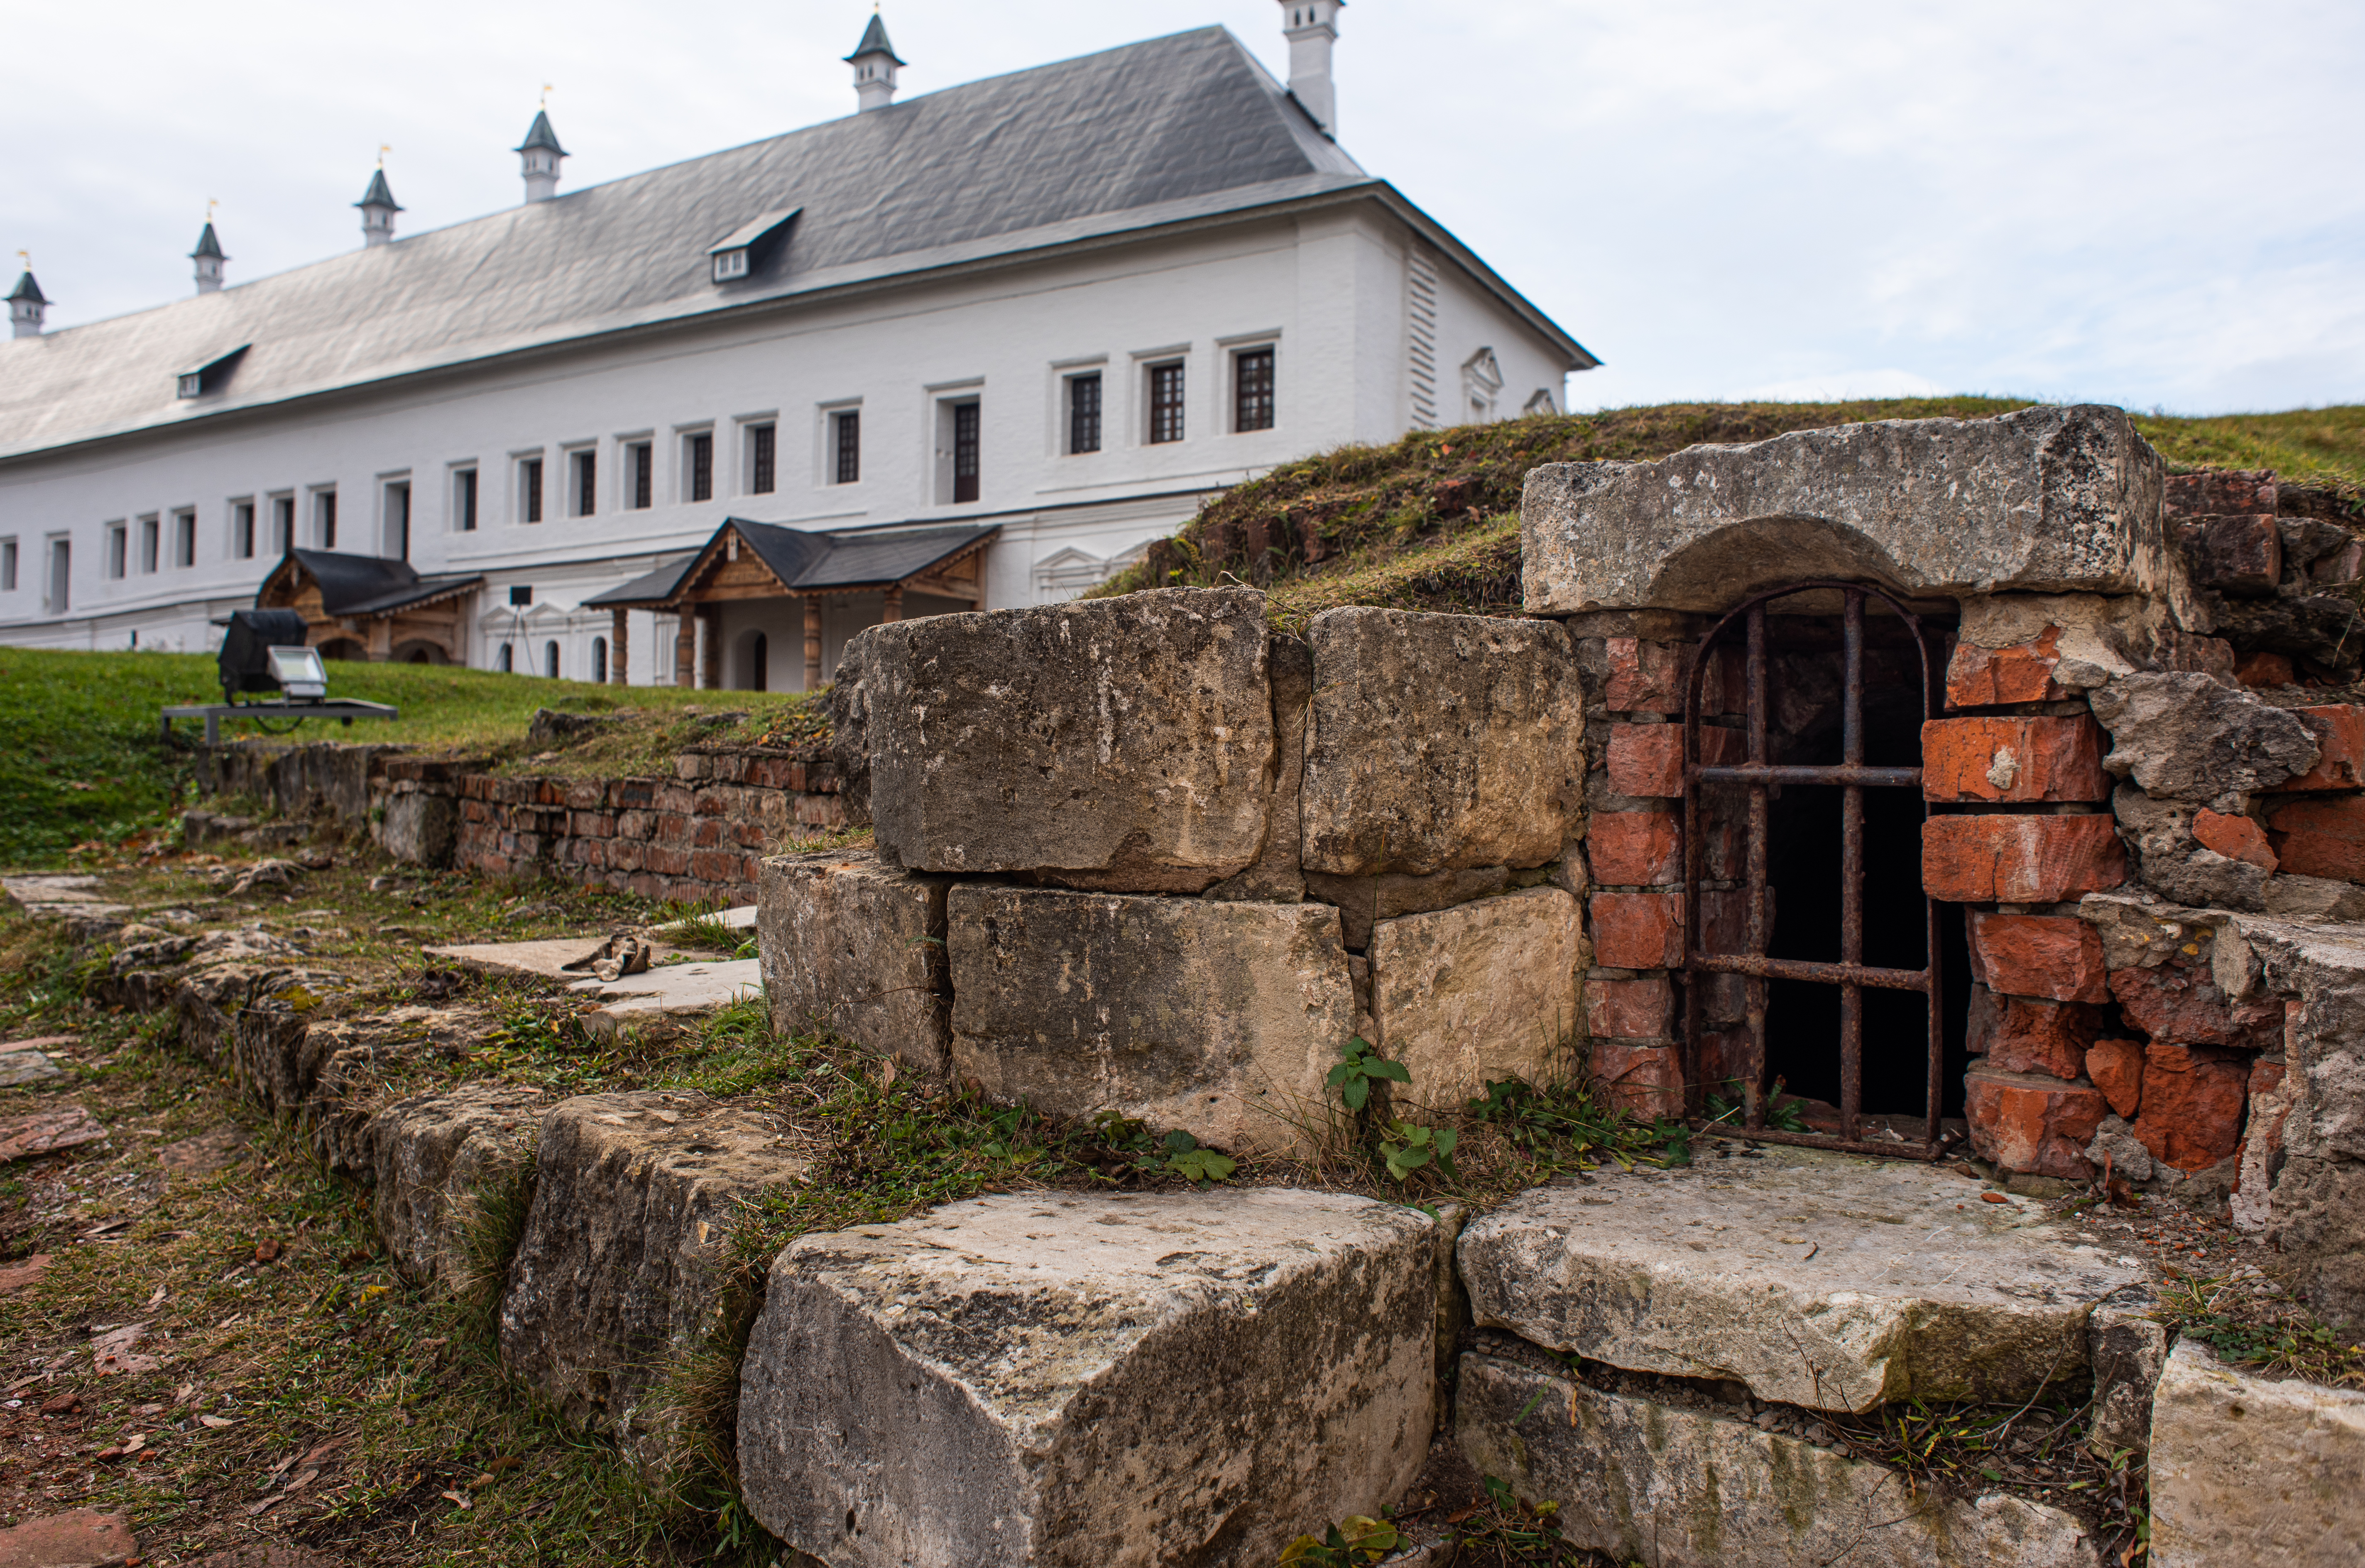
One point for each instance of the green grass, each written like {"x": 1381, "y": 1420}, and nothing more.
{"x": 81, "y": 755}
{"x": 1431, "y": 521}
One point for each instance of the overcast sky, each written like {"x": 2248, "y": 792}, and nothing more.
{"x": 2150, "y": 202}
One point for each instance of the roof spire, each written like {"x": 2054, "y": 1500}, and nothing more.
{"x": 379, "y": 206}
{"x": 874, "y": 65}
{"x": 26, "y": 302}
{"x": 539, "y": 154}
{"x": 208, "y": 254}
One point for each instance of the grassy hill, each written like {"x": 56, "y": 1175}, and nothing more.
{"x": 1432, "y": 522}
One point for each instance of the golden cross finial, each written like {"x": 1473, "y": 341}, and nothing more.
{"x": 25, "y": 257}
{"x": 547, "y": 88}
{"x": 383, "y": 148}
{"x": 211, "y": 203}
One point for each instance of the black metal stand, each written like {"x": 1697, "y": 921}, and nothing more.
{"x": 345, "y": 709}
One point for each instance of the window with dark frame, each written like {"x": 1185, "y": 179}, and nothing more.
{"x": 326, "y": 506}
{"x": 965, "y": 442}
{"x": 184, "y": 538}
{"x": 600, "y": 661}
{"x": 61, "y": 576}
{"x": 463, "y": 499}
{"x": 151, "y": 534}
{"x": 7, "y": 566}
{"x": 1252, "y": 390}
{"x": 641, "y": 456}
{"x": 587, "y": 482}
{"x": 1165, "y": 402}
{"x": 530, "y": 489}
{"x": 702, "y": 467}
{"x": 118, "y": 546}
{"x": 845, "y": 435}
{"x": 282, "y": 524}
{"x": 1084, "y": 413}
{"x": 763, "y": 447}
{"x": 397, "y": 520}
{"x": 241, "y": 529}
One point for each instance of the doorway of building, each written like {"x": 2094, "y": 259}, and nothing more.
{"x": 755, "y": 662}
{"x": 1808, "y": 812}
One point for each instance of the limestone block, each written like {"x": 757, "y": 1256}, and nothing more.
{"x": 1220, "y": 1019}
{"x": 1127, "y": 742}
{"x": 856, "y": 947}
{"x": 2183, "y": 736}
{"x": 1440, "y": 742}
{"x": 1692, "y": 1487}
{"x": 2057, "y": 499}
{"x": 2249, "y": 1470}
{"x": 1278, "y": 876}
{"x": 1818, "y": 1280}
{"x": 1096, "y": 1381}
{"x": 436, "y": 1158}
{"x": 420, "y": 828}
{"x": 2128, "y": 1347}
{"x": 635, "y": 1196}
{"x": 1481, "y": 991}
{"x": 1364, "y": 901}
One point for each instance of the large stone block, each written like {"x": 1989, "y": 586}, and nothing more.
{"x": 436, "y": 1160}
{"x": 1485, "y": 991}
{"x": 1122, "y": 741}
{"x": 2244, "y": 1470}
{"x": 1687, "y": 1486}
{"x": 1278, "y": 875}
{"x": 858, "y": 948}
{"x": 635, "y": 1198}
{"x": 2186, "y": 737}
{"x": 1096, "y": 1380}
{"x": 1220, "y": 1019}
{"x": 2057, "y": 499}
{"x": 1439, "y": 742}
{"x": 1364, "y": 901}
{"x": 1818, "y": 1280}
{"x": 2020, "y": 860}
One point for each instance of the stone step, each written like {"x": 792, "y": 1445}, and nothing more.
{"x": 2250, "y": 1470}
{"x": 1820, "y": 1280}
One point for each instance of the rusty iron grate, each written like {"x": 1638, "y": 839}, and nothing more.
{"x": 1851, "y": 974}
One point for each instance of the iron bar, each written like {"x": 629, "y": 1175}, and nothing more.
{"x": 1817, "y": 973}
{"x": 1748, "y": 773}
{"x": 1757, "y": 936}
{"x": 1852, "y": 867}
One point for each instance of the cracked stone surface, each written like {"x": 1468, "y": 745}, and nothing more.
{"x": 858, "y": 946}
{"x": 434, "y": 1158}
{"x": 2249, "y": 1470}
{"x": 1819, "y": 1280}
{"x": 1095, "y": 1381}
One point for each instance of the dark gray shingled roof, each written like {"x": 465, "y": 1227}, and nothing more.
{"x": 874, "y": 41}
{"x": 1173, "y": 130}
{"x": 368, "y": 585}
{"x": 380, "y": 193}
{"x": 28, "y": 289}
{"x": 816, "y": 563}
{"x": 539, "y": 134}
{"x": 208, "y": 246}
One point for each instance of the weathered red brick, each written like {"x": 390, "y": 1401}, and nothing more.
{"x": 2022, "y": 672}
{"x": 1643, "y": 1081}
{"x": 2116, "y": 1068}
{"x": 2032, "y": 1123}
{"x": 1629, "y": 1010}
{"x": 2013, "y": 759}
{"x": 2056, "y": 957}
{"x": 2244, "y": 490}
{"x": 2340, "y": 741}
{"x": 1638, "y": 930}
{"x": 2241, "y": 552}
{"x": 2021, "y": 1033}
{"x": 2235, "y": 837}
{"x": 2193, "y": 1099}
{"x": 1635, "y": 849}
{"x": 2179, "y": 1003}
{"x": 2324, "y": 836}
{"x": 1647, "y": 760}
{"x": 1645, "y": 676}
{"x": 2020, "y": 860}
{"x": 2263, "y": 669}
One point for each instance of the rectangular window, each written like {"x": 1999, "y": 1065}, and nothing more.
{"x": 151, "y": 535}
{"x": 7, "y": 566}
{"x": 1252, "y": 390}
{"x": 324, "y": 518}
{"x": 397, "y": 521}
{"x": 640, "y": 464}
{"x": 530, "y": 490}
{"x": 184, "y": 538}
{"x": 965, "y": 452}
{"x": 464, "y": 500}
{"x": 585, "y": 466}
{"x": 61, "y": 574}
{"x": 1165, "y": 402}
{"x": 1085, "y": 413}
{"x": 762, "y": 449}
{"x": 699, "y": 462}
{"x": 119, "y": 543}
{"x": 241, "y": 529}
{"x": 282, "y": 524}
{"x": 846, "y": 441}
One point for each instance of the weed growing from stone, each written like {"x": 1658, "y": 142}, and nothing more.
{"x": 2251, "y": 1321}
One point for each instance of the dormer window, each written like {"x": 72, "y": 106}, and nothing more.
{"x": 209, "y": 377}
{"x": 191, "y": 384}
{"x": 728, "y": 265}
{"x": 747, "y": 249}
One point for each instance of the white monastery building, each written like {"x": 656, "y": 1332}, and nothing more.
{"x": 970, "y": 350}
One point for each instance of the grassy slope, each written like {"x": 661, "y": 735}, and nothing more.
{"x": 81, "y": 758}
{"x": 1431, "y": 521}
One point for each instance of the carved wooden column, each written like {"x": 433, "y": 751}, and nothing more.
{"x": 620, "y": 646}
{"x": 685, "y": 648}
{"x": 894, "y": 604}
{"x": 710, "y": 620}
{"x": 812, "y": 641}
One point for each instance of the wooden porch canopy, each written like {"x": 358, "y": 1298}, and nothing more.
{"x": 762, "y": 560}
{"x": 378, "y": 602}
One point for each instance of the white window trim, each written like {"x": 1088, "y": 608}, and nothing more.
{"x": 181, "y": 515}
{"x": 519, "y": 458}
{"x": 229, "y": 527}
{"x": 452, "y": 471}
{"x": 386, "y": 484}
{"x": 52, "y": 601}
{"x": 1059, "y": 372}
{"x": 622, "y": 469}
{"x": 825, "y": 458}
{"x": 312, "y": 519}
{"x": 12, "y": 565}
{"x": 937, "y": 436}
{"x": 1227, "y": 405}
{"x": 570, "y": 494}
{"x": 742, "y": 440}
{"x": 682, "y": 466}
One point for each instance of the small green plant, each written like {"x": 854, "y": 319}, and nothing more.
{"x": 1363, "y": 1066}
{"x": 1407, "y": 1147}
{"x": 1178, "y": 1153}
{"x": 1185, "y": 1158}
{"x": 1781, "y": 1114}
{"x": 1352, "y": 1541}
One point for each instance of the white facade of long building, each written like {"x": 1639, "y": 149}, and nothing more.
{"x": 129, "y": 525}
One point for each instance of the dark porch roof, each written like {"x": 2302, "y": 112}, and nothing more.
{"x": 365, "y": 586}
{"x": 812, "y": 563}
